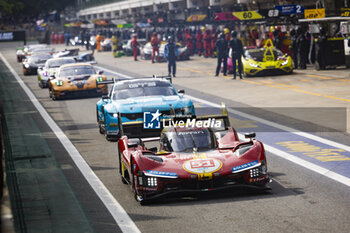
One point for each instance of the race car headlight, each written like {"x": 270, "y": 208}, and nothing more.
{"x": 152, "y": 181}
{"x": 59, "y": 83}
{"x": 186, "y": 110}
{"x": 284, "y": 63}
{"x": 254, "y": 65}
{"x": 115, "y": 115}
{"x": 259, "y": 171}
{"x": 242, "y": 149}
{"x": 26, "y": 65}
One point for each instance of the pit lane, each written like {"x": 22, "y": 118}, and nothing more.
{"x": 301, "y": 200}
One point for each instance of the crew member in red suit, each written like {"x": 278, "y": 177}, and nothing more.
{"x": 207, "y": 43}
{"x": 135, "y": 46}
{"x": 199, "y": 41}
{"x": 53, "y": 38}
{"x": 155, "y": 45}
{"x": 189, "y": 40}
{"x": 214, "y": 37}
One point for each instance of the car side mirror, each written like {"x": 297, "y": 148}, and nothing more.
{"x": 105, "y": 98}
{"x": 153, "y": 149}
{"x": 100, "y": 72}
{"x": 181, "y": 91}
{"x": 132, "y": 144}
{"x": 250, "y": 135}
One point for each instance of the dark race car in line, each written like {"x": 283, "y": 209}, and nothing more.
{"x": 30, "y": 65}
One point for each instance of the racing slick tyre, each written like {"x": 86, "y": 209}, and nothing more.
{"x": 124, "y": 181}
{"x": 100, "y": 128}
{"x": 139, "y": 198}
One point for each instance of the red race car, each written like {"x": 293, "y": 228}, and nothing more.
{"x": 193, "y": 155}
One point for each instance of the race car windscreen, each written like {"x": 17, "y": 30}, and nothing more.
{"x": 76, "y": 70}
{"x": 39, "y": 59}
{"x": 58, "y": 62}
{"x": 188, "y": 141}
{"x": 258, "y": 54}
{"x": 142, "y": 88}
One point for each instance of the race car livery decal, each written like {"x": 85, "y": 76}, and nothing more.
{"x": 202, "y": 165}
{"x": 245, "y": 166}
{"x": 161, "y": 174}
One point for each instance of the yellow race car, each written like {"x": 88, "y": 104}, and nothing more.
{"x": 78, "y": 79}
{"x": 264, "y": 61}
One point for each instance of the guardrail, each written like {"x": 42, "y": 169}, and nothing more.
{"x": 11, "y": 177}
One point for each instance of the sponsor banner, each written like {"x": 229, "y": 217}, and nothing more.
{"x": 290, "y": 9}
{"x": 315, "y": 13}
{"x": 225, "y": 16}
{"x": 12, "y": 36}
{"x": 161, "y": 174}
{"x": 272, "y": 13}
{"x": 247, "y": 15}
{"x": 196, "y": 18}
{"x": 244, "y": 166}
{"x": 345, "y": 12}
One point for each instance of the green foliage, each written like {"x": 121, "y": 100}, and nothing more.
{"x": 32, "y": 7}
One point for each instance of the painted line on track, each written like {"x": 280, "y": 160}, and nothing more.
{"x": 116, "y": 210}
{"x": 311, "y": 166}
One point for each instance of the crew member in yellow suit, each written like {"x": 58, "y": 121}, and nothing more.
{"x": 114, "y": 42}
{"x": 98, "y": 42}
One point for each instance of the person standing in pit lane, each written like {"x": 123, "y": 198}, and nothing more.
{"x": 214, "y": 37}
{"x": 237, "y": 53}
{"x": 155, "y": 45}
{"x": 207, "y": 44}
{"x": 189, "y": 40}
{"x": 199, "y": 41}
{"x": 171, "y": 52}
{"x": 222, "y": 50}
{"x": 135, "y": 46}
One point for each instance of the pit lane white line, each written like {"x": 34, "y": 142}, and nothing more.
{"x": 119, "y": 214}
{"x": 313, "y": 167}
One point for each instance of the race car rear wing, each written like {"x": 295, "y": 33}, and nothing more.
{"x": 167, "y": 78}
{"x": 141, "y": 129}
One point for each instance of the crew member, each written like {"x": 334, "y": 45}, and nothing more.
{"x": 294, "y": 48}
{"x": 114, "y": 42}
{"x": 189, "y": 40}
{"x": 321, "y": 49}
{"x": 98, "y": 42}
{"x": 134, "y": 45}
{"x": 199, "y": 41}
{"x": 222, "y": 50}
{"x": 155, "y": 45}
{"x": 171, "y": 52}
{"x": 302, "y": 49}
{"x": 214, "y": 37}
{"x": 207, "y": 44}
{"x": 237, "y": 52}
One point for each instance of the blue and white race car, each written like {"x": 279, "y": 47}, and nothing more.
{"x": 128, "y": 100}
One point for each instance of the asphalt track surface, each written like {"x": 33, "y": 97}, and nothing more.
{"x": 301, "y": 200}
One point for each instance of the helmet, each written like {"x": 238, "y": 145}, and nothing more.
{"x": 170, "y": 38}
{"x": 202, "y": 28}
{"x": 226, "y": 30}
{"x": 234, "y": 34}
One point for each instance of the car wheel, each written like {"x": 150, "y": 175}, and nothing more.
{"x": 139, "y": 198}
{"x": 123, "y": 179}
